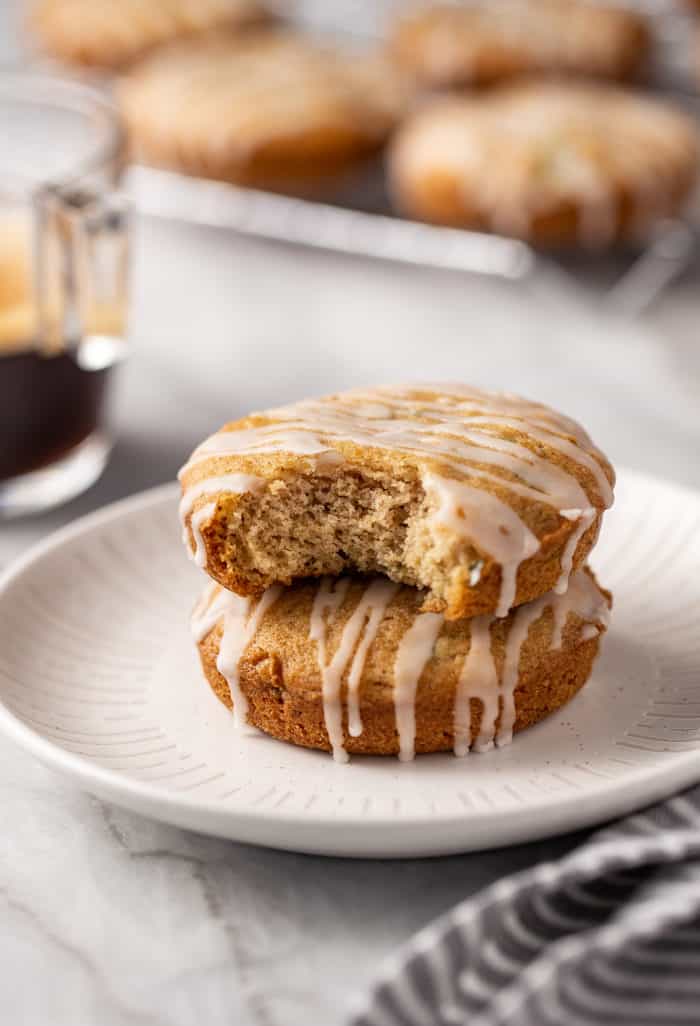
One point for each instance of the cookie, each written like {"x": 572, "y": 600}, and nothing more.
{"x": 556, "y": 164}
{"x": 449, "y": 45}
{"x": 273, "y": 111}
{"x": 352, "y": 665}
{"x": 484, "y": 500}
{"x": 110, "y": 34}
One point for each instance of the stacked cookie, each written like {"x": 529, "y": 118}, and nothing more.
{"x": 398, "y": 570}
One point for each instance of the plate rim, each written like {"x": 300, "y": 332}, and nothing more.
{"x": 603, "y": 801}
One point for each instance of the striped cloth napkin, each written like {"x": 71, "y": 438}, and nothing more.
{"x": 608, "y": 935}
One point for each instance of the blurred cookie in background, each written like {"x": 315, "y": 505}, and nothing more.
{"x": 556, "y": 164}
{"x": 110, "y": 34}
{"x": 273, "y": 110}
{"x": 451, "y": 45}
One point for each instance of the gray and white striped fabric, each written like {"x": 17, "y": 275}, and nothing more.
{"x": 608, "y": 935}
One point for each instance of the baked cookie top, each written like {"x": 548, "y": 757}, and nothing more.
{"x": 112, "y": 33}
{"x": 221, "y": 105}
{"x": 356, "y": 645}
{"x": 480, "y": 43}
{"x": 526, "y": 152}
{"x": 487, "y": 500}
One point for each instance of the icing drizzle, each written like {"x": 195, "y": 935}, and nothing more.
{"x": 199, "y": 556}
{"x": 456, "y": 436}
{"x": 234, "y": 483}
{"x": 241, "y": 619}
{"x": 479, "y": 678}
{"x": 414, "y": 651}
{"x": 366, "y": 617}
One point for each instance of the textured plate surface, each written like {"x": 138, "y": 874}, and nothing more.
{"x": 99, "y": 679}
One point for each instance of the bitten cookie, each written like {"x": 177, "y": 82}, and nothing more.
{"x": 354, "y": 665}
{"x": 112, "y": 33}
{"x": 482, "y": 43}
{"x": 273, "y": 111}
{"x": 485, "y": 500}
{"x": 555, "y": 164}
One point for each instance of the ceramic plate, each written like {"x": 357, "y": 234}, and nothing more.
{"x": 99, "y": 679}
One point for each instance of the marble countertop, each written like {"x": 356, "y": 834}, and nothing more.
{"x": 112, "y": 920}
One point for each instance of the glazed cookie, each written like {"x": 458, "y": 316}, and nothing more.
{"x": 483, "y": 43}
{"x": 484, "y": 500}
{"x": 354, "y": 665}
{"x": 555, "y": 164}
{"x": 112, "y": 33}
{"x": 273, "y": 110}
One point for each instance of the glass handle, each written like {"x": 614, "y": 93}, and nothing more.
{"x": 81, "y": 271}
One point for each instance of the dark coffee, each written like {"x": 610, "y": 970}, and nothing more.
{"x": 48, "y": 405}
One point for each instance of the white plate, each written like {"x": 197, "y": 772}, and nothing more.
{"x": 99, "y": 679}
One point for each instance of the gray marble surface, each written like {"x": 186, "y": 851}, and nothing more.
{"x": 111, "y": 920}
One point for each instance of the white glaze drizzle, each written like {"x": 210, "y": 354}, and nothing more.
{"x": 208, "y": 611}
{"x": 583, "y": 597}
{"x": 585, "y": 518}
{"x": 478, "y": 679}
{"x": 501, "y": 533}
{"x": 199, "y": 556}
{"x": 523, "y": 618}
{"x": 236, "y": 483}
{"x": 458, "y": 428}
{"x": 265, "y": 439}
{"x": 327, "y": 601}
{"x": 352, "y": 645}
{"x": 565, "y": 446}
{"x": 414, "y": 651}
{"x": 372, "y": 607}
{"x": 242, "y": 617}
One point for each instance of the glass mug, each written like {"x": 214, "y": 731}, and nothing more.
{"x": 63, "y": 286}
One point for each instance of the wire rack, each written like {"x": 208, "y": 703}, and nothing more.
{"x": 359, "y": 219}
